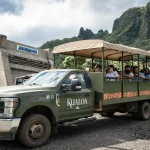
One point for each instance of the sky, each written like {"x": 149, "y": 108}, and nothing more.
{"x": 34, "y": 22}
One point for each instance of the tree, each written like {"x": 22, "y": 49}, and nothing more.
{"x": 69, "y": 62}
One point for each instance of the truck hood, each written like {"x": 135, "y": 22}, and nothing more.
{"x": 16, "y": 89}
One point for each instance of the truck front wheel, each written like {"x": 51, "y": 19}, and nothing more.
{"x": 34, "y": 130}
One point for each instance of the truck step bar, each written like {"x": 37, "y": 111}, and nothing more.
{"x": 75, "y": 122}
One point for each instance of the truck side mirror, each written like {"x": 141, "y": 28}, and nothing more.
{"x": 75, "y": 85}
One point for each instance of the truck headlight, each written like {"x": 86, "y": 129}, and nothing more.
{"x": 9, "y": 105}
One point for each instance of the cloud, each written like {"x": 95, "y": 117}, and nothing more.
{"x": 44, "y": 20}
{"x": 36, "y": 37}
{"x": 11, "y": 6}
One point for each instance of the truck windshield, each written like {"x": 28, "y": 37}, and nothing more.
{"x": 51, "y": 78}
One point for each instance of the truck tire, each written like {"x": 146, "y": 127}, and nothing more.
{"x": 107, "y": 114}
{"x": 144, "y": 110}
{"x": 34, "y": 131}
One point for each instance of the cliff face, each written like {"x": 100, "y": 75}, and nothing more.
{"x": 145, "y": 27}
{"x": 126, "y": 28}
{"x": 132, "y": 28}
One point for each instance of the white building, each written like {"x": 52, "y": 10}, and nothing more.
{"x": 17, "y": 59}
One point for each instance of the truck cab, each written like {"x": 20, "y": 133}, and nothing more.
{"x": 61, "y": 95}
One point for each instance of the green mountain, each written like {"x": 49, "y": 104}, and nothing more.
{"x": 132, "y": 29}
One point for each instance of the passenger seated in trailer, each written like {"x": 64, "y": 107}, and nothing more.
{"x": 111, "y": 75}
{"x": 98, "y": 69}
{"x": 117, "y": 70}
{"x": 88, "y": 69}
{"x": 147, "y": 74}
{"x": 127, "y": 73}
{"x": 131, "y": 68}
{"x": 136, "y": 72}
{"x": 119, "y": 73}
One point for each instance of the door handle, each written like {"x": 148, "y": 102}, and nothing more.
{"x": 87, "y": 94}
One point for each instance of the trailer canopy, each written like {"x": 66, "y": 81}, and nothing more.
{"x": 93, "y": 49}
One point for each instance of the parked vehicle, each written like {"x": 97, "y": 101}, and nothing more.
{"x": 22, "y": 79}
{"x": 32, "y": 111}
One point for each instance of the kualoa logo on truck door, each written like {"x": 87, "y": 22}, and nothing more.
{"x": 76, "y": 103}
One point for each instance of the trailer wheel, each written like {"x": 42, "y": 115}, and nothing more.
{"x": 144, "y": 110}
{"x": 107, "y": 114}
{"x": 34, "y": 131}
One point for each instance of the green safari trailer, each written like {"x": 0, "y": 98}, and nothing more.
{"x": 117, "y": 96}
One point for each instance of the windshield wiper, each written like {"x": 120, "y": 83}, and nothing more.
{"x": 34, "y": 84}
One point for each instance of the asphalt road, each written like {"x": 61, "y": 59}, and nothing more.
{"x": 117, "y": 133}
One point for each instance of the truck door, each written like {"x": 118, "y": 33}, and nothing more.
{"x": 76, "y": 104}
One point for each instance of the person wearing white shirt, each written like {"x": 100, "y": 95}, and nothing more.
{"x": 111, "y": 75}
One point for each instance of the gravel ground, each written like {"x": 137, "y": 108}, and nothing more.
{"x": 117, "y": 133}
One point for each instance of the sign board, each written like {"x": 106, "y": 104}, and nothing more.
{"x": 27, "y": 49}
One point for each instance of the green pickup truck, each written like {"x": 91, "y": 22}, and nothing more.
{"x": 35, "y": 108}
{"x": 32, "y": 111}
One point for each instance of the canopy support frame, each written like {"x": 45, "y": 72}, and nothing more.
{"x": 54, "y": 61}
{"x": 138, "y": 88}
{"x": 75, "y": 63}
{"x": 103, "y": 63}
{"x": 132, "y": 61}
{"x": 122, "y": 86}
{"x": 146, "y": 63}
{"x": 93, "y": 58}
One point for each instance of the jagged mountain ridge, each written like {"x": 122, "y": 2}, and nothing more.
{"x": 132, "y": 28}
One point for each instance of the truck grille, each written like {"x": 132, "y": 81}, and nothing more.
{"x": 1, "y": 107}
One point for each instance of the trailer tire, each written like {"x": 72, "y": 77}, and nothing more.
{"x": 144, "y": 110}
{"x": 34, "y": 130}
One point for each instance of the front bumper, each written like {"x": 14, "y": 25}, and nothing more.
{"x": 8, "y": 128}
